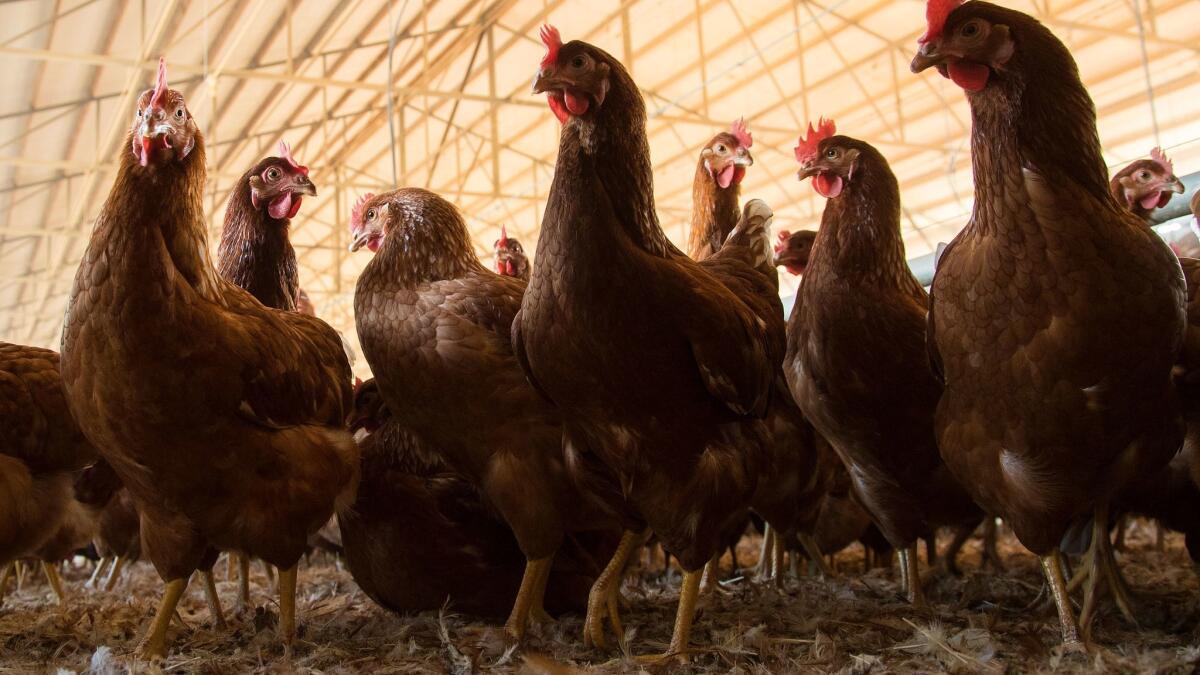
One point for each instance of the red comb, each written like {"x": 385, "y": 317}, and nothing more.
{"x": 356, "y": 214}
{"x": 936, "y": 13}
{"x": 553, "y": 42}
{"x": 503, "y": 243}
{"x": 285, "y": 151}
{"x": 741, "y": 133}
{"x": 1162, "y": 160}
{"x": 810, "y": 143}
{"x": 160, "y": 87}
{"x": 783, "y": 237}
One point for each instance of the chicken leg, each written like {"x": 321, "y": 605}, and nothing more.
{"x": 684, "y": 616}
{"x": 910, "y": 577}
{"x": 4, "y": 577}
{"x": 533, "y": 586}
{"x": 287, "y": 606}
{"x": 766, "y": 554}
{"x": 813, "y": 551}
{"x": 154, "y": 645}
{"x": 96, "y": 573}
{"x": 214, "y": 601}
{"x": 114, "y": 574}
{"x": 243, "y": 564}
{"x": 605, "y": 592}
{"x": 1103, "y": 572}
{"x": 990, "y": 552}
{"x": 1053, "y": 568}
{"x": 55, "y": 581}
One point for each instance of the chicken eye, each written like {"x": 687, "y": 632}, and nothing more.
{"x": 1145, "y": 175}
{"x": 179, "y": 113}
{"x": 831, "y": 153}
{"x": 140, "y": 113}
{"x": 721, "y": 148}
{"x": 371, "y": 214}
{"x": 578, "y": 61}
{"x": 272, "y": 174}
{"x": 969, "y": 29}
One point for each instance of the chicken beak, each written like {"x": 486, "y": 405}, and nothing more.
{"x": 1176, "y": 186}
{"x": 808, "y": 170}
{"x": 304, "y": 186}
{"x": 743, "y": 158}
{"x": 928, "y": 56}
{"x": 360, "y": 240}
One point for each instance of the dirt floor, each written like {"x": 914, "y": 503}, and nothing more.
{"x": 854, "y": 623}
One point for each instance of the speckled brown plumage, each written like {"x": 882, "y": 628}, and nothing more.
{"x": 222, "y": 418}
{"x": 856, "y": 359}
{"x": 1056, "y": 315}
{"x": 40, "y": 449}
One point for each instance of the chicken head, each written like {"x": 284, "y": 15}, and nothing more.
{"x": 277, "y": 185}
{"x": 963, "y": 43}
{"x": 572, "y": 76}
{"x": 163, "y": 129}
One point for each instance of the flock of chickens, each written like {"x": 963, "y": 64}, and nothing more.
{"x": 529, "y": 428}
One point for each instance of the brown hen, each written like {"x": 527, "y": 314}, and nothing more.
{"x": 659, "y": 365}
{"x": 223, "y": 418}
{"x": 1056, "y": 315}
{"x": 434, "y": 324}
{"x": 856, "y": 359}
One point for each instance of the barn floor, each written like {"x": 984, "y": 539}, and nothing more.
{"x": 854, "y": 623}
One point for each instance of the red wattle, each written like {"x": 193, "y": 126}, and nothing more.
{"x": 578, "y": 105}
{"x": 511, "y": 269}
{"x": 969, "y": 76}
{"x": 828, "y": 185}
{"x": 557, "y": 107}
{"x": 725, "y": 177}
{"x": 738, "y": 174}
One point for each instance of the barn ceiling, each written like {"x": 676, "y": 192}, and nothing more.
{"x": 463, "y": 122}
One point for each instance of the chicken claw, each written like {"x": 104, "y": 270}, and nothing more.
{"x": 529, "y": 597}
{"x": 154, "y": 645}
{"x": 605, "y": 592}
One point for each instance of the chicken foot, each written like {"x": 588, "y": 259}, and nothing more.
{"x": 154, "y": 645}
{"x": 604, "y": 595}
{"x": 214, "y": 601}
{"x": 531, "y": 593}
{"x": 55, "y": 581}
{"x": 684, "y": 617}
